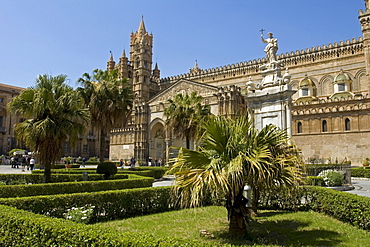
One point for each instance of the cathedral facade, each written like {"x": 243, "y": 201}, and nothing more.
{"x": 329, "y": 107}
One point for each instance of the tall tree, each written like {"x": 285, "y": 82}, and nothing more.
{"x": 234, "y": 154}
{"x": 183, "y": 115}
{"x": 109, "y": 100}
{"x": 55, "y": 113}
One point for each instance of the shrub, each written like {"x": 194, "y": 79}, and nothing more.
{"x": 315, "y": 180}
{"x": 107, "y": 168}
{"x": 332, "y": 178}
{"x": 81, "y": 214}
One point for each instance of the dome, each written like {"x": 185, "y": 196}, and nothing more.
{"x": 306, "y": 82}
{"x": 342, "y": 77}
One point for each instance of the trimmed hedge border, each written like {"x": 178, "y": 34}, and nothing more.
{"x": 343, "y": 206}
{"x": 360, "y": 172}
{"x": 109, "y": 205}
{"x": 155, "y": 172}
{"x": 73, "y": 187}
{"x": 37, "y": 178}
{"x": 24, "y": 229}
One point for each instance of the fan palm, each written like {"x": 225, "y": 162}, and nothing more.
{"x": 184, "y": 114}
{"x": 233, "y": 154}
{"x": 54, "y": 113}
{"x": 109, "y": 100}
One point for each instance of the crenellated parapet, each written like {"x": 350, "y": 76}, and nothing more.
{"x": 289, "y": 59}
{"x": 326, "y": 106}
{"x": 357, "y": 97}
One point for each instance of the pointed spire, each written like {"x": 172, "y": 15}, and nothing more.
{"x": 142, "y": 29}
{"x": 156, "y": 71}
{"x": 124, "y": 53}
{"x": 111, "y": 63}
{"x": 196, "y": 64}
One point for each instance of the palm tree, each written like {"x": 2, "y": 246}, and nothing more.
{"x": 183, "y": 115}
{"x": 234, "y": 154}
{"x": 54, "y": 113}
{"x": 109, "y": 100}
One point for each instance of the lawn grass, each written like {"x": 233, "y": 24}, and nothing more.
{"x": 271, "y": 228}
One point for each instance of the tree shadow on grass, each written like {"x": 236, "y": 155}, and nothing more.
{"x": 283, "y": 233}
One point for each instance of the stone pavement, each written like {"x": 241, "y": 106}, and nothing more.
{"x": 6, "y": 169}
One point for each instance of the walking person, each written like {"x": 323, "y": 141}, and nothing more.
{"x": 16, "y": 160}
{"x": 12, "y": 162}
{"x": 32, "y": 163}
{"x": 132, "y": 162}
{"x": 150, "y": 161}
{"x": 23, "y": 162}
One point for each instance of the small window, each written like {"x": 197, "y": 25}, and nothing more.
{"x": 299, "y": 127}
{"x": 341, "y": 87}
{"x": 66, "y": 147}
{"x": 304, "y": 91}
{"x": 324, "y": 126}
{"x": 347, "y": 124}
{"x": 85, "y": 148}
{"x": 1, "y": 100}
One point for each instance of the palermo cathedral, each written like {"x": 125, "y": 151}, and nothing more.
{"x": 319, "y": 94}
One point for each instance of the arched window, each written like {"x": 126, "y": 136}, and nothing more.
{"x": 347, "y": 124}
{"x": 324, "y": 126}
{"x": 299, "y": 127}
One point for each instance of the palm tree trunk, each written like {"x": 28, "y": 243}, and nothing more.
{"x": 237, "y": 226}
{"x": 102, "y": 145}
{"x": 47, "y": 174}
{"x": 238, "y": 216}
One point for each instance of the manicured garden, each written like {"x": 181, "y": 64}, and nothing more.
{"x": 271, "y": 227}
{"x": 120, "y": 215}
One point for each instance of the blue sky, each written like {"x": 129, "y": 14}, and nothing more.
{"x": 75, "y": 36}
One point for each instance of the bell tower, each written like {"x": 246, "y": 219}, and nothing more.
{"x": 141, "y": 46}
{"x": 364, "y": 17}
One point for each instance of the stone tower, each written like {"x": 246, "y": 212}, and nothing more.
{"x": 364, "y": 17}
{"x": 141, "y": 45}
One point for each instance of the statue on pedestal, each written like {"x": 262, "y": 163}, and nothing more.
{"x": 271, "y": 47}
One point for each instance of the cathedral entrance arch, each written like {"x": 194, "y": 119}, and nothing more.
{"x": 157, "y": 147}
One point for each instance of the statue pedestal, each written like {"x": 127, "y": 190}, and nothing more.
{"x": 271, "y": 105}
{"x": 269, "y": 102}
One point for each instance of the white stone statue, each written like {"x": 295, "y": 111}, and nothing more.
{"x": 271, "y": 48}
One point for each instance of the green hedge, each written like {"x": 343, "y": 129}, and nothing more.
{"x": 343, "y": 206}
{"x": 73, "y": 187}
{"x": 315, "y": 181}
{"x": 109, "y": 205}
{"x": 314, "y": 169}
{"x": 155, "y": 172}
{"x": 24, "y": 229}
{"x": 68, "y": 171}
{"x": 55, "y": 178}
{"x": 360, "y": 172}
